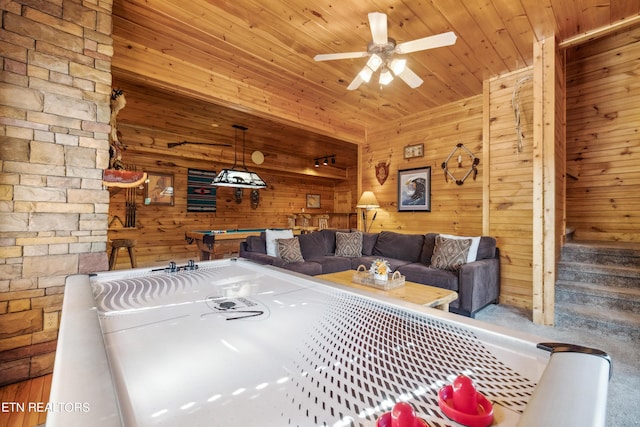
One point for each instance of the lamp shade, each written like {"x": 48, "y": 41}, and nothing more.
{"x": 238, "y": 179}
{"x": 368, "y": 201}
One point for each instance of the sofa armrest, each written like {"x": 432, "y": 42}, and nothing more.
{"x": 479, "y": 284}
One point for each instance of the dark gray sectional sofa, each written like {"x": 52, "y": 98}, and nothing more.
{"x": 477, "y": 282}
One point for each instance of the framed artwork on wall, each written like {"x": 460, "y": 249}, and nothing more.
{"x": 415, "y": 150}
{"x": 158, "y": 189}
{"x": 414, "y": 189}
{"x": 313, "y": 201}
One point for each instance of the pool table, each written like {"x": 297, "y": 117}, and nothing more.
{"x": 232, "y": 343}
{"x": 214, "y": 244}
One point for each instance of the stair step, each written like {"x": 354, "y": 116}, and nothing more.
{"x": 612, "y": 275}
{"x": 609, "y": 253}
{"x": 622, "y": 324}
{"x": 607, "y": 297}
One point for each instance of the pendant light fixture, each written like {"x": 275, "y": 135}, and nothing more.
{"x": 238, "y": 177}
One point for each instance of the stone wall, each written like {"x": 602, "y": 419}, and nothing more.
{"x": 54, "y": 124}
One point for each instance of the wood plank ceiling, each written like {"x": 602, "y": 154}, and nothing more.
{"x": 193, "y": 68}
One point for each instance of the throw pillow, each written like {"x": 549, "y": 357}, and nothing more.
{"x": 349, "y": 244}
{"x": 272, "y": 235}
{"x": 289, "y": 250}
{"x": 473, "y": 250}
{"x": 450, "y": 254}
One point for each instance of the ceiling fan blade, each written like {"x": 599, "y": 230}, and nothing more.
{"x": 431, "y": 42}
{"x": 346, "y": 55}
{"x": 378, "y": 25}
{"x": 355, "y": 84}
{"x": 410, "y": 78}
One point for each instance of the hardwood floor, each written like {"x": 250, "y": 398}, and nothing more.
{"x": 22, "y": 404}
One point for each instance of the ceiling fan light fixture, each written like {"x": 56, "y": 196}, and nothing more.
{"x": 398, "y": 66}
{"x": 385, "y": 76}
{"x": 374, "y": 62}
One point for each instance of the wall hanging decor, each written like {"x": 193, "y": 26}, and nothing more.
{"x": 415, "y": 150}
{"x": 158, "y": 189}
{"x": 313, "y": 201}
{"x": 201, "y": 193}
{"x": 459, "y": 150}
{"x": 414, "y": 189}
{"x": 382, "y": 172}
{"x": 516, "y": 104}
{"x": 382, "y": 169}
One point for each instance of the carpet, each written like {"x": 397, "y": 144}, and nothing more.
{"x": 623, "y": 400}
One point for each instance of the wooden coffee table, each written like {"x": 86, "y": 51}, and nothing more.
{"x": 428, "y": 296}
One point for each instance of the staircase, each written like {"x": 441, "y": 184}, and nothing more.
{"x": 598, "y": 288}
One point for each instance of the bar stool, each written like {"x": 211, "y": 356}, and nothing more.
{"x": 323, "y": 221}
{"x": 116, "y": 244}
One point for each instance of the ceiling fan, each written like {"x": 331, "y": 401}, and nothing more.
{"x": 381, "y": 51}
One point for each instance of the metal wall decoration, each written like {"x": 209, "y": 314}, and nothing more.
{"x": 460, "y": 149}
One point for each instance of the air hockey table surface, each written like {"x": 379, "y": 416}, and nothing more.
{"x": 233, "y": 343}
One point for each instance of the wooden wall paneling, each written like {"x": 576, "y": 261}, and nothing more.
{"x": 160, "y": 228}
{"x": 603, "y": 94}
{"x": 184, "y": 78}
{"x": 455, "y": 208}
{"x": 509, "y": 190}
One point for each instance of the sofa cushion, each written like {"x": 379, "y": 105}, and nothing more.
{"x": 400, "y": 246}
{"x": 427, "y": 248}
{"x": 394, "y": 263}
{"x": 312, "y": 245}
{"x": 420, "y": 273}
{"x": 333, "y": 264}
{"x": 257, "y": 244}
{"x": 309, "y": 268}
{"x": 349, "y": 244}
{"x": 450, "y": 254}
{"x": 272, "y": 236}
{"x": 486, "y": 248}
{"x": 368, "y": 242}
{"x": 473, "y": 249}
{"x": 289, "y": 250}
{"x": 329, "y": 236}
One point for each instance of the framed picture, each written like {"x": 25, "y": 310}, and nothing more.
{"x": 415, "y": 150}
{"x": 313, "y": 201}
{"x": 414, "y": 189}
{"x": 158, "y": 189}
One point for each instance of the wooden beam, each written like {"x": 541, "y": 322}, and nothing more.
{"x": 545, "y": 248}
{"x": 599, "y": 32}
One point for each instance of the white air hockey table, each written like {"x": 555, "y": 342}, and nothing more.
{"x": 232, "y": 343}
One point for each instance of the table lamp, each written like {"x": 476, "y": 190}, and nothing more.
{"x": 367, "y": 202}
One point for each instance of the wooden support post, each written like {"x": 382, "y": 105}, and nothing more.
{"x": 548, "y": 167}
